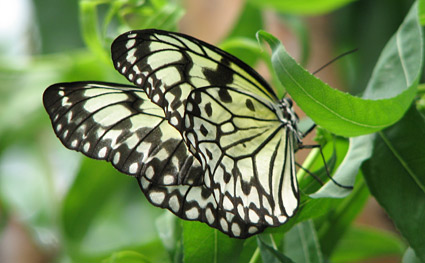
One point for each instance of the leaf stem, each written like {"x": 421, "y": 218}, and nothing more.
{"x": 255, "y": 255}
{"x": 89, "y": 27}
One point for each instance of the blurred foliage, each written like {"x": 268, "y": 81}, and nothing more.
{"x": 81, "y": 210}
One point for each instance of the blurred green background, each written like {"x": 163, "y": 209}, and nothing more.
{"x": 56, "y": 205}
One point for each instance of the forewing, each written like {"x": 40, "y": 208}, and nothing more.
{"x": 170, "y": 65}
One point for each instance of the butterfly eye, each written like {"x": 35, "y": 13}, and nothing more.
{"x": 289, "y": 102}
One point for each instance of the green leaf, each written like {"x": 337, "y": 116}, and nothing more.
{"x": 421, "y": 12}
{"x": 245, "y": 49}
{"x": 400, "y": 64}
{"x": 395, "y": 176}
{"x": 169, "y": 229}
{"x": 344, "y": 114}
{"x": 360, "y": 244}
{"x": 360, "y": 149}
{"x": 334, "y": 151}
{"x": 91, "y": 31}
{"x": 301, "y": 244}
{"x": 165, "y": 18}
{"x": 250, "y": 251}
{"x": 93, "y": 186}
{"x": 57, "y": 26}
{"x": 126, "y": 257}
{"x": 269, "y": 251}
{"x": 302, "y": 7}
{"x": 332, "y": 226}
{"x": 249, "y": 22}
{"x": 202, "y": 243}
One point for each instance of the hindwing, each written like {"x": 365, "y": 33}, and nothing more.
{"x": 119, "y": 124}
{"x": 248, "y": 153}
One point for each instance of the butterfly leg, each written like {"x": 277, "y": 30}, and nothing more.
{"x": 324, "y": 162}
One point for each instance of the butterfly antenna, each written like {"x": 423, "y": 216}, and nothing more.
{"x": 335, "y": 59}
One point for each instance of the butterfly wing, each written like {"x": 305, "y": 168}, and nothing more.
{"x": 249, "y": 155}
{"x": 119, "y": 124}
{"x": 170, "y": 65}
{"x": 228, "y": 117}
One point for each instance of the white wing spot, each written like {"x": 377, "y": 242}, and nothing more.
{"x": 210, "y": 216}
{"x": 168, "y": 179}
{"x": 133, "y": 168}
{"x": 236, "y": 230}
{"x": 123, "y": 69}
{"x": 102, "y": 152}
{"x": 86, "y": 147}
{"x": 145, "y": 183}
{"x": 224, "y": 225}
{"x": 157, "y": 197}
{"x": 269, "y": 219}
{"x": 189, "y": 106}
{"x": 174, "y": 203}
{"x": 282, "y": 219}
{"x": 59, "y": 127}
{"x": 74, "y": 142}
{"x": 187, "y": 122}
{"x": 116, "y": 159}
{"x": 252, "y": 229}
{"x": 155, "y": 98}
{"x": 139, "y": 81}
{"x": 70, "y": 116}
{"x": 130, "y": 56}
{"x": 130, "y": 76}
{"x": 130, "y": 43}
{"x": 192, "y": 213}
{"x": 253, "y": 216}
{"x": 65, "y": 134}
{"x": 149, "y": 172}
{"x": 174, "y": 121}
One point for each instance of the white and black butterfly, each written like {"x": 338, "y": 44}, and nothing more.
{"x": 203, "y": 133}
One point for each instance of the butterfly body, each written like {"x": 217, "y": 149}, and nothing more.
{"x": 202, "y": 132}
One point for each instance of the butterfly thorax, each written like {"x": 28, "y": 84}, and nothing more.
{"x": 289, "y": 117}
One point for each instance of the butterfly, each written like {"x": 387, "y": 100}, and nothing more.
{"x": 204, "y": 134}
